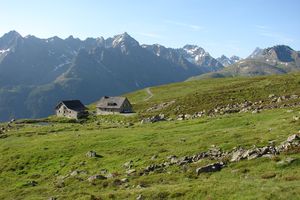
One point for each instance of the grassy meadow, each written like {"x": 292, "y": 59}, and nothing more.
{"x": 38, "y": 156}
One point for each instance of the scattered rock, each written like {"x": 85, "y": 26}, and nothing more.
{"x": 82, "y": 163}
{"x": 117, "y": 182}
{"x": 140, "y": 197}
{"x": 110, "y": 175}
{"x": 31, "y": 183}
{"x": 291, "y": 142}
{"x": 287, "y": 161}
{"x": 295, "y": 118}
{"x": 237, "y": 155}
{"x": 293, "y": 138}
{"x": 96, "y": 177}
{"x": 154, "y": 157}
{"x": 271, "y": 96}
{"x": 2, "y": 136}
{"x": 92, "y": 154}
{"x": 52, "y": 198}
{"x": 130, "y": 171}
{"x": 103, "y": 171}
{"x": 171, "y": 156}
{"x": 210, "y": 168}
{"x": 139, "y": 186}
{"x": 268, "y": 175}
{"x": 77, "y": 172}
{"x": 74, "y": 173}
{"x": 294, "y": 96}
{"x": 125, "y": 180}
{"x": 156, "y": 118}
{"x": 215, "y": 153}
{"x": 187, "y": 116}
{"x": 160, "y": 106}
{"x": 279, "y": 100}
{"x": 128, "y": 164}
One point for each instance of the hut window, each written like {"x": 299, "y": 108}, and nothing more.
{"x": 111, "y": 104}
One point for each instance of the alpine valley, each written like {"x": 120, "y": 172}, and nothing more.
{"x": 37, "y": 73}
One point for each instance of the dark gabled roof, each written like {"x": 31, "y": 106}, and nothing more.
{"x": 72, "y": 105}
{"x": 111, "y": 102}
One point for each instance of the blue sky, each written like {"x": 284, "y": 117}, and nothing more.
{"x": 230, "y": 27}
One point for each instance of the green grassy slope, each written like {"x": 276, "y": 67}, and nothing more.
{"x": 48, "y": 152}
{"x": 194, "y": 96}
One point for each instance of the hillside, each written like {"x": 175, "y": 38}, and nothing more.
{"x": 54, "y": 158}
{"x": 194, "y": 96}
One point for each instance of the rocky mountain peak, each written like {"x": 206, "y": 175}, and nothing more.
{"x": 52, "y": 39}
{"x": 235, "y": 58}
{"x": 194, "y": 50}
{"x": 8, "y": 40}
{"x": 223, "y": 57}
{"x": 281, "y": 53}
{"x": 124, "y": 39}
{"x": 224, "y": 60}
{"x": 228, "y": 61}
{"x": 256, "y": 53}
{"x": 11, "y": 35}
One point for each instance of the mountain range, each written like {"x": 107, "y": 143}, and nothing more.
{"x": 225, "y": 61}
{"x": 36, "y": 73}
{"x": 279, "y": 59}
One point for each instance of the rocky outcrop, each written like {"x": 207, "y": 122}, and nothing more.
{"x": 222, "y": 157}
{"x": 160, "y": 106}
{"x": 156, "y": 118}
{"x": 210, "y": 168}
{"x": 92, "y": 154}
{"x": 246, "y": 106}
{"x": 93, "y": 178}
{"x": 272, "y": 102}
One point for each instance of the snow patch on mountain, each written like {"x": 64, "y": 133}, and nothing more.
{"x": 2, "y": 51}
{"x": 61, "y": 65}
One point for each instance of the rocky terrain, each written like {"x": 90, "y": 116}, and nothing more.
{"x": 274, "y": 102}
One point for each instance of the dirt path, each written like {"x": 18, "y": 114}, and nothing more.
{"x": 149, "y": 93}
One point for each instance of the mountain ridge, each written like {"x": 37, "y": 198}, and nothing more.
{"x": 278, "y": 59}
{"x": 52, "y": 69}
{"x": 36, "y": 73}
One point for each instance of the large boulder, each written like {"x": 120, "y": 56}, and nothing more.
{"x": 92, "y": 154}
{"x": 210, "y": 168}
{"x": 292, "y": 138}
{"x": 237, "y": 154}
{"x": 291, "y": 142}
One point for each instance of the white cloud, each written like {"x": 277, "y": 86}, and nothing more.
{"x": 191, "y": 26}
{"x": 279, "y": 37}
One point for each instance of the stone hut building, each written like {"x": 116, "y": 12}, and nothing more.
{"x": 112, "y": 105}
{"x": 73, "y": 109}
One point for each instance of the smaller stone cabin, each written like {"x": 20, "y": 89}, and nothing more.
{"x": 73, "y": 109}
{"x": 112, "y": 105}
